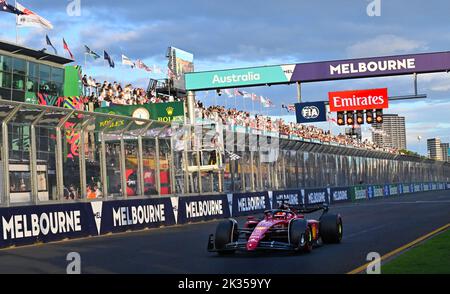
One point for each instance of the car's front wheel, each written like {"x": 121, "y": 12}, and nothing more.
{"x": 300, "y": 235}
{"x": 226, "y": 232}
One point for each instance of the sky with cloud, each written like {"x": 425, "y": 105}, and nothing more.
{"x": 229, "y": 34}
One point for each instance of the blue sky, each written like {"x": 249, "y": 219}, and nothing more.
{"x": 229, "y": 34}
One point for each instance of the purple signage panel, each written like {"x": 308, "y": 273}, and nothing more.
{"x": 371, "y": 67}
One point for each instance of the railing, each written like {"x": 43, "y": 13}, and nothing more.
{"x": 58, "y": 155}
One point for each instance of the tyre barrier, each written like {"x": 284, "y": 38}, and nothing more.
{"x": 25, "y": 225}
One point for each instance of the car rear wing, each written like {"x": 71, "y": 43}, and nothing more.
{"x": 306, "y": 209}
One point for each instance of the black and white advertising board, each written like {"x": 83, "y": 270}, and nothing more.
{"x": 249, "y": 203}
{"x": 139, "y": 214}
{"x": 200, "y": 208}
{"x": 291, "y": 197}
{"x": 337, "y": 195}
{"x": 46, "y": 223}
{"x": 316, "y": 196}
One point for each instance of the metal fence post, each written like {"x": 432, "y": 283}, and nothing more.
{"x": 172, "y": 167}
{"x": 5, "y": 153}
{"x": 252, "y": 170}
{"x": 103, "y": 166}
{"x": 158, "y": 167}
{"x": 33, "y": 159}
{"x": 141, "y": 166}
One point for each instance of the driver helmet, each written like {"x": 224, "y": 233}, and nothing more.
{"x": 284, "y": 206}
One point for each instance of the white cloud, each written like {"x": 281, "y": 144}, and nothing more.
{"x": 384, "y": 45}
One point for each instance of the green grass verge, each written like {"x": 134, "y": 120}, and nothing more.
{"x": 430, "y": 257}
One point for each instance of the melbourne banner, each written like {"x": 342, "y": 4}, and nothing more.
{"x": 320, "y": 71}
{"x": 249, "y": 203}
{"x": 310, "y": 112}
{"x": 200, "y": 208}
{"x": 46, "y": 223}
{"x": 316, "y": 196}
{"x": 120, "y": 216}
{"x": 339, "y": 195}
{"x": 292, "y": 197}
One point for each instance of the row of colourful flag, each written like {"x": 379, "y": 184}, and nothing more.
{"x": 266, "y": 102}
{"x": 139, "y": 64}
{"x": 24, "y": 16}
{"x": 27, "y": 18}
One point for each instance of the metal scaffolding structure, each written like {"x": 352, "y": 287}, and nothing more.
{"x": 60, "y": 155}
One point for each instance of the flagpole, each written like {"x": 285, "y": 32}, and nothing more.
{"x": 253, "y": 104}
{"x": 17, "y": 29}
{"x": 260, "y": 106}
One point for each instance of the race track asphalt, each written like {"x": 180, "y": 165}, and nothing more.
{"x": 372, "y": 226}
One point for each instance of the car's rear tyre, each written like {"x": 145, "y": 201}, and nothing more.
{"x": 300, "y": 235}
{"x": 226, "y": 232}
{"x": 331, "y": 229}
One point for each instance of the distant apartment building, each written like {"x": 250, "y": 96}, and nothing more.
{"x": 391, "y": 133}
{"x": 434, "y": 147}
{"x": 445, "y": 148}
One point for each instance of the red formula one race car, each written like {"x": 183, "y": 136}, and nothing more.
{"x": 280, "y": 229}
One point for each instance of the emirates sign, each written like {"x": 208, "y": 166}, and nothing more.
{"x": 359, "y": 100}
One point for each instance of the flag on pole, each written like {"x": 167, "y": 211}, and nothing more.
{"x": 228, "y": 92}
{"x": 266, "y": 102}
{"x": 246, "y": 94}
{"x": 66, "y": 47}
{"x": 91, "y": 53}
{"x": 30, "y": 19}
{"x": 238, "y": 93}
{"x": 143, "y": 66}
{"x": 49, "y": 43}
{"x": 289, "y": 108}
{"x": 157, "y": 69}
{"x": 232, "y": 156}
{"x": 127, "y": 61}
{"x": 5, "y": 7}
{"x": 109, "y": 59}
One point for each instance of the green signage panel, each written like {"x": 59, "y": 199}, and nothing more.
{"x": 72, "y": 81}
{"x": 162, "y": 112}
{"x": 239, "y": 77}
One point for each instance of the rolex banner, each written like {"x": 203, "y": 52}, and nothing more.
{"x": 163, "y": 112}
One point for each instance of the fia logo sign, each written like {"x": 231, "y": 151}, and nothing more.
{"x": 310, "y": 112}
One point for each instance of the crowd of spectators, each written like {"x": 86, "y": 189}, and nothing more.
{"x": 241, "y": 118}
{"x": 108, "y": 94}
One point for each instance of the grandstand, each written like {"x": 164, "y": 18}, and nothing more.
{"x": 56, "y": 148}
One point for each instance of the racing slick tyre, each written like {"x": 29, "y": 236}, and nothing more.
{"x": 226, "y": 232}
{"x": 300, "y": 235}
{"x": 331, "y": 228}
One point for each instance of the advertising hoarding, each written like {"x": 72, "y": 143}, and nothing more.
{"x": 180, "y": 62}
{"x": 320, "y": 71}
{"x": 310, "y": 112}
{"x": 358, "y": 100}
{"x": 163, "y": 112}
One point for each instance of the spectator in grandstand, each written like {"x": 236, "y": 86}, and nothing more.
{"x": 241, "y": 118}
